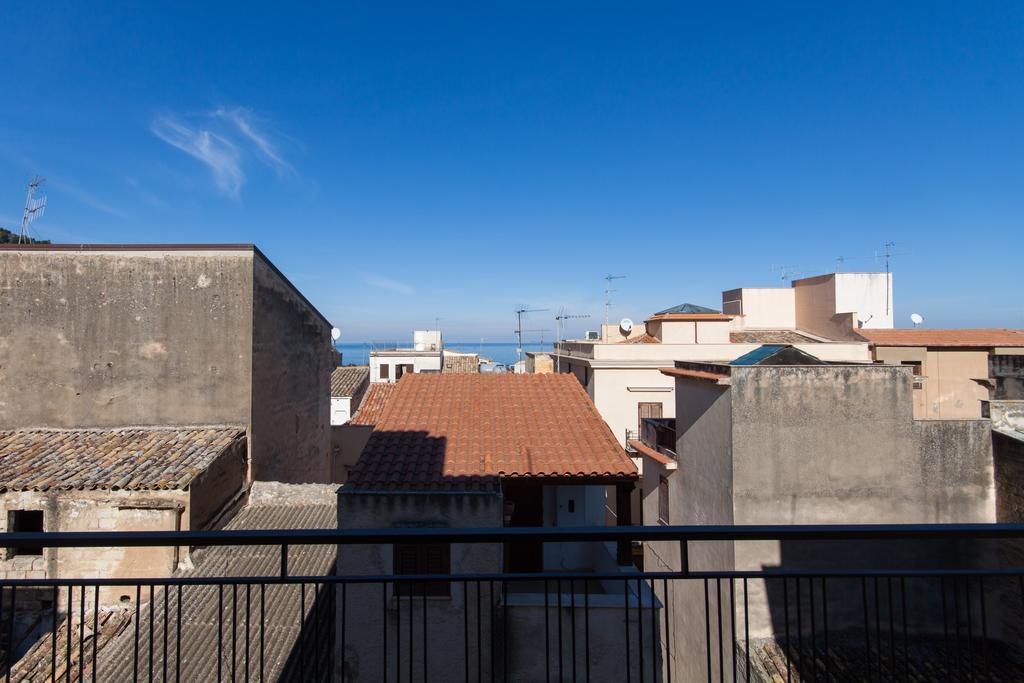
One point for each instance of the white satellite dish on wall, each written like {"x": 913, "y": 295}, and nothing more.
{"x": 916, "y": 319}
{"x": 626, "y": 325}
{"x": 335, "y": 333}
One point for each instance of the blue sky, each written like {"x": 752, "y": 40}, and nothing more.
{"x": 401, "y": 162}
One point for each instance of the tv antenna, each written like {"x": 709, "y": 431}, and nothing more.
{"x": 560, "y": 318}
{"x": 887, "y": 255}
{"x": 786, "y": 272}
{"x": 34, "y": 207}
{"x": 519, "y": 327}
{"x": 608, "y": 293}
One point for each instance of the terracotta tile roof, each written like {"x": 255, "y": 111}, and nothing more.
{"x": 374, "y": 403}
{"x": 643, "y": 339}
{"x": 923, "y": 337}
{"x": 653, "y": 454}
{"x": 691, "y": 316}
{"x": 693, "y": 374}
{"x": 89, "y": 459}
{"x": 770, "y": 337}
{"x": 348, "y": 381}
{"x": 464, "y": 432}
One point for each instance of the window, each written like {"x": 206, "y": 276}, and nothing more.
{"x": 646, "y": 410}
{"x": 423, "y": 558}
{"x": 918, "y": 373}
{"x": 24, "y": 521}
{"x": 385, "y": 371}
{"x": 663, "y": 501}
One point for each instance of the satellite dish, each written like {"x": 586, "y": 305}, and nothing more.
{"x": 626, "y": 325}
{"x": 916, "y": 319}
{"x": 335, "y": 333}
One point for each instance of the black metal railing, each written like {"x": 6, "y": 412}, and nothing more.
{"x": 715, "y": 603}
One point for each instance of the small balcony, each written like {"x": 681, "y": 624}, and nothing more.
{"x": 719, "y": 603}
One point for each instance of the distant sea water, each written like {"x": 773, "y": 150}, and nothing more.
{"x": 358, "y": 353}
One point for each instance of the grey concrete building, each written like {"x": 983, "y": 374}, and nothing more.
{"x": 118, "y": 335}
{"x": 780, "y": 437}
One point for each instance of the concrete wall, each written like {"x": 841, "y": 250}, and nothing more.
{"x": 364, "y": 649}
{"x": 1008, "y": 454}
{"x": 292, "y": 360}
{"x": 120, "y": 338}
{"x": 700, "y": 493}
{"x": 347, "y": 443}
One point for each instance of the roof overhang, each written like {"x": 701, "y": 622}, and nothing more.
{"x": 687, "y": 373}
{"x": 661, "y": 458}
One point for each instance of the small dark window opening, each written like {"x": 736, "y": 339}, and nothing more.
{"x": 423, "y": 558}
{"x": 663, "y": 501}
{"x": 385, "y": 371}
{"x": 24, "y": 521}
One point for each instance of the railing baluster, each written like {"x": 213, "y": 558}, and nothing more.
{"x": 654, "y": 635}
{"x": 53, "y": 634}
{"x": 707, "y": 627}
{"x": 800, "y": 663}
{"x": 668, "y": 636}
{"x": 263, "y": 627}
{"x": 572, "y": 625}
{"x": 479, "y": 637}
{"x": 561, "y": 658}
{"x": 625, "y": 603}
{"x": 504, "y": 631}
{"x": 956, "y": 626}
{"x": 586, "y": 626}
{"x": 138, "y": 603}
{"x": 81, "y": 634}
{"x": 984, "y": 628}
{"x": 946, "y": 656}
{"x": 248, "y": 613}
{"x": 9, "y": 664}
{"x": 425, "y": 677}
{"x": 234, "y": 631}
{"x": 95, "y": 627}
{"x": 892, "y": 630}
{"x": 220, "y": 631}
{"x": 814, "y": 631}
{"x": 640, "y": 627}
{"x": 970, "y": 626}
{"x": 906, "y": 641}
{"x": 344, "y": 642}
{"x": 867, "y": 628}
{"x": 878, "y": 627}
{"x": 152, "y": 605}
{"x": 465, "y": 629}
{"x": 732, "y": 622}
{"x": 302, "y": 631}
{"x": 166, "y": 591}
{"x": 746, "y": 627}
{"x": 721, "y": 633}
{"x": 490, "y": 623}
{"x": 785, "y": 606}
{"x": 383, "y": 623}
{"x": 824, "y": 624}
{"x": 177, "y": 638}
{"x": 400, "y": 588}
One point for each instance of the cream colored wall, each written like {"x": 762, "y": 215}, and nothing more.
{"x": 949, "y": 391}
{"x": 815, "y": 300}
{"x": 761, "y": 307}
{"x": 617, "y": 392}
{"x": 678, "y": 332}
{"x": 898, "y": 355}
{"x": 713, "y": 331}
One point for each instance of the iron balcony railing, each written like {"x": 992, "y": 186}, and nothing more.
{"x": 715, "y": 603}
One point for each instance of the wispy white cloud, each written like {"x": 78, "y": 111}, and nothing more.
{"x": 388, "y": 284}
{"x": 219, "y": 154}
{"x": 242, "y": 119}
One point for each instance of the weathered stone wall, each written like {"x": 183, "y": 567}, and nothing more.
{"x": 98, "y": 511}
{"x": 1008, "y": 453}
{"x": 90, "y": 339}
{"x": 364, "y": 646}
{"x": 292, "y": 360}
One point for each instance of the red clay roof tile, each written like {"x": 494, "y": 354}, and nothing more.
{"x": 374, "y": 403}
{"x": 464, "y": 432}
{"x": 922, "y": 337}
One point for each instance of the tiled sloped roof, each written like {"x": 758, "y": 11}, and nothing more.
{"x": 145, "y": 458}
{"x": 923, "y": 337}
{"x": 770, "y": 337}
{"x": 688, "y": 308}
{"x": 643, "y": 339}
{"x": 463, "y": 432}
{"x": 374, "y": 403}
{"x": 275, "y": 607}
{"x": 346, "y": 381}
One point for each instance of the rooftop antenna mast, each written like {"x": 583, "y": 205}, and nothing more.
{"x": 519, "y": 327}
{"x": 608, "y": 291}
{"x": 786, "y": 272}
{"x": 887, "y": 255}
{"x": 34, "y": 207}
{"x": 560, "y": 318}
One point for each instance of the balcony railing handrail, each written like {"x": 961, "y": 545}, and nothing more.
{"x": 288, "y": 537}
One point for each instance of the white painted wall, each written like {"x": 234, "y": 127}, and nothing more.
{"x": 341, "y": 410}
{"x": 867, "y": 296}
{"x": 421, "y": 362}
{"x": 573, "y": 506}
